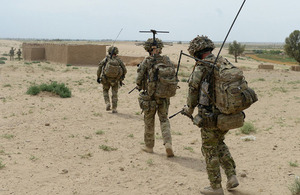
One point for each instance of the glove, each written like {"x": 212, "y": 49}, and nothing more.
{"x": 98, "y": 80}
{"x": 187, "y": 111}
{"x": 139, "y": 88}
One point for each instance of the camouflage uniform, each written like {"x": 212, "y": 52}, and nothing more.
{"x": 19, "y": 54}
{"x": 12, "y": 53}
{"x": 113, "y": 83}
{"x": 214, "y": 149}
{"x": 152, "y": 104}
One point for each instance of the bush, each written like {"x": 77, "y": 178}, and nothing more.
{"x": 54, "y": 87}
{"x": 247, "y": 128}
{"x": 3, "y": 58}
{"x": 295, "y": 187}
{"x": 2, "y": 62}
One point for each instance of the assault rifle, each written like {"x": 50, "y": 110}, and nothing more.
{"x": 213, "y": 65}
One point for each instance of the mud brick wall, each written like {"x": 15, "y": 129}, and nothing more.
{"x": 295, "y": 68}
{"x": 56, "y": 53}
{"x": 85, "y": 54}
{"x": 266, "y": 66}
{"x": 64, "y": 53}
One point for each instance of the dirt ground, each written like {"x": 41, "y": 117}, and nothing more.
{"x": 53, "y": 145}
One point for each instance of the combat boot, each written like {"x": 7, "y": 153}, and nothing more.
{"x": 114, "y": 110}
{"x": 210, "y": 191}
{"x": 232, "y": 182}
{"x": 169, "y": 150}
{"x": 107, "y": 107}
{"x": 147, "y": 149}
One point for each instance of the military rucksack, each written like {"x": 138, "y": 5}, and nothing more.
{"x": 113, "y": 68}
{"x": 163, "y": 80}
{"x": 232, "y": 94}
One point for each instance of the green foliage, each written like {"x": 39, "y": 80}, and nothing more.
{"x": 54, "y": 87}
{"x": 99, "y": 132}
{"x": 3, "y": 58}
{"x": 8, "y": 136}
{"x": 2, "y": 62}
{"x": 294, "y": 164}
{"x": 236, "y": 49}
{"x": 107, "y": 148}
{"x": 292, "y": 45}
{"x": 295, "y": 187}
{"x": 247, "y": 128}
{"x": 2, "y": 165}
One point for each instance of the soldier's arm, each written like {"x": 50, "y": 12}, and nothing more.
{"x": 194, "y": 89}
{"x": 141, "y": 72}
{"x": 123, "y": 67}
{"x": 100, "y": 67}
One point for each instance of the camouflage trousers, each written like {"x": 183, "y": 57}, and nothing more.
{"x": 161, "y": 106}
{"x": 216, "y": 154}
{"x": 114, "y": 89}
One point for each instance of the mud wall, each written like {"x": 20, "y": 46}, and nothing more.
{"x": 85, "y": 54}
{"x": 64, "y": 53}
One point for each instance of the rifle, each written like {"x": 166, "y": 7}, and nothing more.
{"x": 180, "y": 112}
{"x": 132, "y": 90}
{"x": 213, "y": 65}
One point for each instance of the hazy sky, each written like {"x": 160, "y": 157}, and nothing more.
{"x": 259, "y": 20}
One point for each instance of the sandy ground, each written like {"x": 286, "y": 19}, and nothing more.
{"x": 51, "y": 145}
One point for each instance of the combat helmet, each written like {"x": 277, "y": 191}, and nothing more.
{"x": 114, "y": 49}
{"x": 199, "y": 44}
{"x": 149, "y": 43}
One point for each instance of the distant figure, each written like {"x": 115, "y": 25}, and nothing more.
{"x": 19, "y": 54}
{"x": 111, "y": 72}
{"x": 12, "y": 53}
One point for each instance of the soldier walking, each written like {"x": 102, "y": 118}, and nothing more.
{"x": 149, "y": 102}
{"x": 11, "y": 54}
{"x": 214, "y": 149}
{"x": 111, "y": 72}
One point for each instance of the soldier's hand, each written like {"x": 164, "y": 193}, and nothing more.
{"x": 187, "y": 111}
{"x": 139, "y": 88}
{"x": 98, "y": 80}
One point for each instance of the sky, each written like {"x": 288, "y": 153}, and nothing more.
{"x": 258, "y": 21}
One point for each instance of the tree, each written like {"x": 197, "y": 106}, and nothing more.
{"x": 292, "y": 45}
{"x": 236, "y": 49}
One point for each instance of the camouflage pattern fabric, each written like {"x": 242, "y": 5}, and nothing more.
{"x": 110, "y": 83}
{"x": 214, "y": 149}
{"x": 153, "y": 105}
{"x": 216, "y": 154}
{"x": 161, "y": 106}
{"x": 107, "y": 84}
{"x": 199, "y": 43}
{"x": 149, "y": 43}
{"x": 111, "y": 48}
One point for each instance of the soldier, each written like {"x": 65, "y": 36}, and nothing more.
{"x": 149, "y": 103}
{"x": 12, "y": 53}
{"x": 111, "y": 72}
{"x": 214, "y": 149}
{"x": 19, "y": 54}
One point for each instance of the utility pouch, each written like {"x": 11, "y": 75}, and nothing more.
{"x": 226, "y": 122}
{"x": 209, "y": 120}
{"x": 144, "y": 101}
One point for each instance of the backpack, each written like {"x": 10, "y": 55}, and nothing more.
{"x": 112, "y": 68}
{"x": 232, "y": 94}
{"x": 163, "y": 83}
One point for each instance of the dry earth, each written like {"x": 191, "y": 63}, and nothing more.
{"x": 51, "y": 145}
